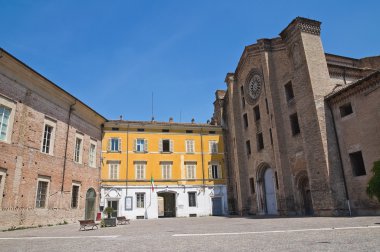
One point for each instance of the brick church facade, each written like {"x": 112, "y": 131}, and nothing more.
{"x": 301, "y": 127}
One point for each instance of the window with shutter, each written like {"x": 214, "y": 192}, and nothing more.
{"x": 171, "y": 146}
{"x": 160, "y": 145}
{"x": 145, "y": 145}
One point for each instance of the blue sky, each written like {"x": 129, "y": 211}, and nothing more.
{"x": 114, "y": 54}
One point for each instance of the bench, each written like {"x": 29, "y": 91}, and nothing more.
{"x": 87, "y": 224}
{"x": 122, "y": 220}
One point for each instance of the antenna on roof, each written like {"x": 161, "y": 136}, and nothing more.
{"x": 152, "y": 108}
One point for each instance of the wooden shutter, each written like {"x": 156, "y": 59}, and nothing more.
{"x": 109, "y": 144}
{"x": 145, "y": 145}
{"x": 171, "y": 145}
{"x": 210, "y": 171}
{"x": 220, "y": 175}
{"x": 160, "y": 145}
{"x": 119, "y": 144}
{"x": 135, "y": 145}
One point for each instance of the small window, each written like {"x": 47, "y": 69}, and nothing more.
{"x": 190, "y": 170}
{"x": 140, "y": 130}
{"x": 47, "y": 140}
{"x": 256, "y": 112}
{"x": 113, "y": 170}
{"x": 248, "y": 145}
{"x": 242, "y": 90}
{"x": 357, "y": 163}
{"x": 78, "y": 149}
{"x": 165, "y": 145}
{"x": 243, "y": 102}
{"x": 141, "y": 145}
{"x": 140, "y": 169}
{"x": 115, "y": 129}
{"x": 252, "y": 185}
{"x": 289, "y": 91}
{"x": 260, "y": 141}
{"x": 189, "y": 146}
{"x": 266, "y": 105}
{"x": 114, "y": 144}
{"x": 189, "y": 131}
{"x": 92, "y": 154}
{"x": 165, "y": 130}
{"x": 166, "y": 169}
{"x": 140, "y": 200}
{"x": 42, "y": 192}
{"x": 192, "y": 199}
{"x": 213, "y": 147}
{"x": 345, "y": 109}
{"x": 212, "y": 132}
{"x": 3, "y": 175}
{"x": 245, "y": 119}
{"x": 215, "y": 171}
{"x": 294, "y": 124}
{"x": 74, "y": 196}
{"x": 5, "y": 114}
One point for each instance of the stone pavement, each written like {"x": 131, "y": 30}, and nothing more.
{"x": 206, "y": 234}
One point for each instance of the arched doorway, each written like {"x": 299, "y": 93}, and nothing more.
{"x": 166, "y": 202}
{"x": 90, "y": 204}
{"x": 304, "y": 189}
{"x": 267, "y": 202}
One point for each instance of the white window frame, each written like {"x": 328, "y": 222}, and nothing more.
{"x": 140, "y": 200}
{"x": 212, "y": 167}
{"x": 166, "y": 170}
{"x": 114, "y": 144}
{"x": 140, "y": 170}
{"x": 46, "y": 180}
{"x": 195, "y": 198}
{"x": 190, "y": 146}
{"x": 161, "y": 145}
{"x": 11, "y": 105}
{"x": 141, "y": 145}
{"x": 113, "y": 169}
{"x": 191, "y": 170}
{"x": 49, "y": 123}
{"x": 213, "y": 146}
{"x": 72, "y": 194}
{"x": 78, "y": 158}
{"x": 92, "y": 154}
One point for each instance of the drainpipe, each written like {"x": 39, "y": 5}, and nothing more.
{"x": 340, "y": 158}
{"x": 67, "y": 138}
{"x": 203, "y": 169}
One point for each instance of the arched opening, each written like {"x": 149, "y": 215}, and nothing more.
{"x": 266, "y": 193}
{"x": 306, "y": 196}
{"x": 166, "y": 202}
{"x": 90, "y": 204}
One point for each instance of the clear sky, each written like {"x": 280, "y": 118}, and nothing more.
{"x": 113, "y": 55}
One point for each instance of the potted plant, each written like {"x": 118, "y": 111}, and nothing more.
{"x": 109, "y": 221}
{"x": 108, "y": 211}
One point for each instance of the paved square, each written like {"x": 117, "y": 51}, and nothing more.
{"x": 206, "y": 234}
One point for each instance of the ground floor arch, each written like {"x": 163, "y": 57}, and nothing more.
{"x": 304, "y": 194}
{"x": 90, "y": 204}
{"x": 266, "y": 191}
{"x": 166, "y": 202}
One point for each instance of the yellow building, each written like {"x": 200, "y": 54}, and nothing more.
{"x": 159, "y": 169}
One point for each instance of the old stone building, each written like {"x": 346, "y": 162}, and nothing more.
{"x": 301, "y": 127}
{"x": 50, "y": 146}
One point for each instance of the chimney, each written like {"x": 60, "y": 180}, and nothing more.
{"x": 171, "y": 119}
{"x": 192, "y": 120}
{"x": 121, "y": 117}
